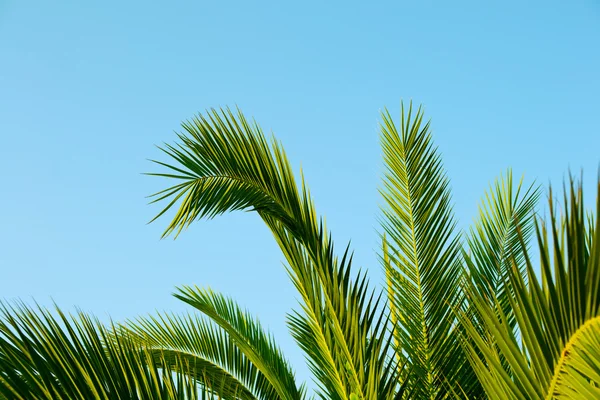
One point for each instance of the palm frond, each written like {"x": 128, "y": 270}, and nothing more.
{"x": 506, "y": 216}
{"x": 224, "y": 163}
{"x": 422, "y": 259}
{"x": 248, "y": 335}
{"x": 256, "y": 357}
{"x": 234, "y": 351}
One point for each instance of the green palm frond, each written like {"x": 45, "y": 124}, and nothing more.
{"x": 506, "y": 216}
{"x": 557, "y": 353}
{"x": 190, "y": 336}
{"x": 224, "y": 163}
{"x": 237, "y": 344}
{"x": 421, "y": 257}
{"x": 248, "y": 335}
{"x": 62, "y": 357}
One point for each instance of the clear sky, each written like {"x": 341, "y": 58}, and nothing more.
{"x": 87, "y": 90}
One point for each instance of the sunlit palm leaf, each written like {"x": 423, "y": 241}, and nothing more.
{"x": 577, "y": 374}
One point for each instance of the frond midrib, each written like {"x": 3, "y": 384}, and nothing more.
{"x": 504, "y": 241}
{"x": 566, "y": 351}
{"x": 424, "y": 330}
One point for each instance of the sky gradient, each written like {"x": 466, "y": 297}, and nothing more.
{"x": 87, "y": 91}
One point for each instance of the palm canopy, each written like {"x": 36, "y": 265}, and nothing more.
{"x": 465, "y": 315}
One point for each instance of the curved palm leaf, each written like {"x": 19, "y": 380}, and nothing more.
{"x": 248, "y": 335}
{"x": 238, "y": 345}
{"x": 224, "y": 163}
{"x": 421, "y": 257}
{"x": 557, "y": 355}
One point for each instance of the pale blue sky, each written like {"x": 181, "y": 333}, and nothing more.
{"x": 86, "y": 91}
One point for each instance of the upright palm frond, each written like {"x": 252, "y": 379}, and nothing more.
{"x": 494, "y": 243}
{"x": 224, "y": 163}
{"x": 421, "y": 257}
{"x": 44, "y": 357}
{"x": 558, "y": 352}
{"x": 234, "y": 342}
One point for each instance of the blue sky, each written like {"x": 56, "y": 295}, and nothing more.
{"x": 87, "y": 90}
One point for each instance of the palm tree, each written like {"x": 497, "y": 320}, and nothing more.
{"x": 449, "y": 328}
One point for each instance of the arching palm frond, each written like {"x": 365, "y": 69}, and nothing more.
{"x": 421, "y": 257}
{"x": 248, "y": 334}
{"x": 558, "y": 317}
{"x": 48, "y": 357}
{"x": 233, "y": 341}
{"x": 224, "y": 163}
